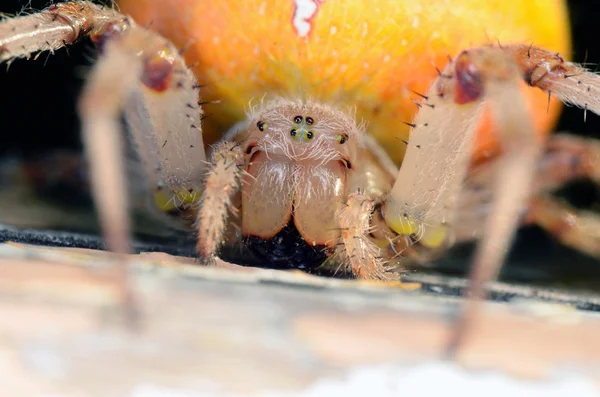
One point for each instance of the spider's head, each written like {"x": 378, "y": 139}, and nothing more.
{"x": 299, "y": 158}
{"x": 303, "y": 132}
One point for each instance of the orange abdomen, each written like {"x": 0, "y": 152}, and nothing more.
{"x": 365, "y": 54}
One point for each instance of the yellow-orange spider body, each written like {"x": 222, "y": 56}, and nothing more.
{"x": 369, "y": 54}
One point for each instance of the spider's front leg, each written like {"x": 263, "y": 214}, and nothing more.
{"x": 53, "y": 28}
{"x": 138, "y": 72}
{"x": 421, "y": 207}
{"x": 424, "y": 198}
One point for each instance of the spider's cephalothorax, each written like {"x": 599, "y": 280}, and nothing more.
{"x": 297, "y": 163}
{"x": 299, "y": 160}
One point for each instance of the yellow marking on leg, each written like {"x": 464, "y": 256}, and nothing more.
{"x": 434, "y": 237}
{"x": 170, "y": 201}
{"x": 402, "y": 225}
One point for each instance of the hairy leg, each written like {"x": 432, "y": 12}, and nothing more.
{"x": 55, "y": 27}
{"x": 359, "y": 252}
{"x": 425, "y": 196}
{"x": 566, "y": 158}
{"x": 574, "y": 228}
{"x": 162, "y": 107}
{"x": 512, "y": 184}
{"x": 222, "y": 182}
{"x": 570, "y": 83}
{"x": 424, "y": 199}
{"x": 139, "y": 72}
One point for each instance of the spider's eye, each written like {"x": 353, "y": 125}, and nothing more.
{"x": 309, "y": 120}
{"x": 293, "y": 132}
{"x": 309, "y": 135}
{"x": 261, "y": 125}
{"x": 298, "y": 119}
{"x": 342, "y": 138}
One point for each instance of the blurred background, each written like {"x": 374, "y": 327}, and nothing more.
{"x": 38, "y": 102}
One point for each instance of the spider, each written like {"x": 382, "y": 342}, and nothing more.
{"x": 300, "y": 181}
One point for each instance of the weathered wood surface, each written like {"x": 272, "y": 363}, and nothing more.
{"x": 226, "y": 330}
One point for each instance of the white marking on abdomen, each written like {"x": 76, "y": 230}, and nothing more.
{"x": 304, "y": 12}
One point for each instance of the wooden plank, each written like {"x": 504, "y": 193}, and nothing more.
{"x": 227, "y": 330}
